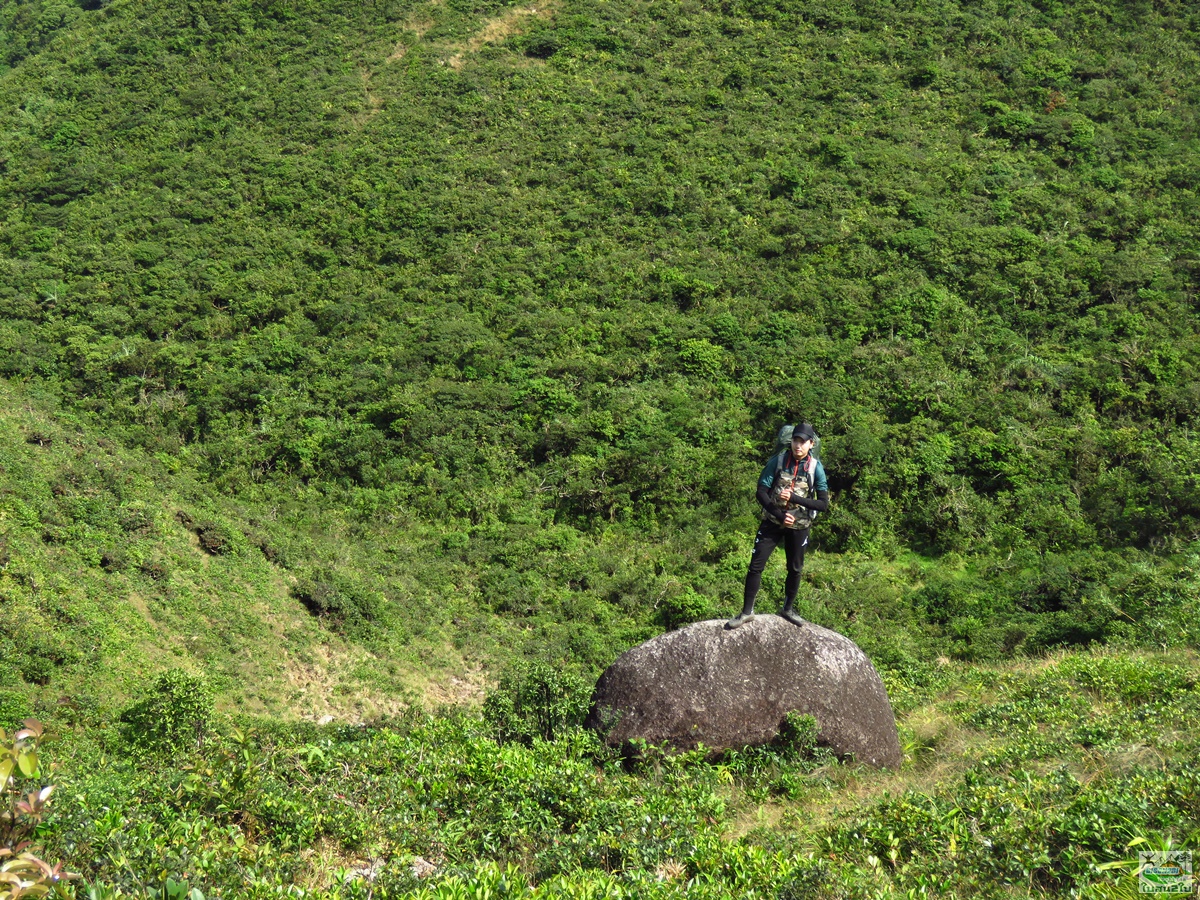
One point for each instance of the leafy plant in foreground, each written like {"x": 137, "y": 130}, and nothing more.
{"x": 21, "y": 873}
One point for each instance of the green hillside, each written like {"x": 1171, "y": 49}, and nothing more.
{"x": 362, "y": 361}
{"x": 114, "y": 568}
{"x": 602, "y": 259}
{"x": 528, "y": 312}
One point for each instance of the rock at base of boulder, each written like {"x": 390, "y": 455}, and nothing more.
{"x": 705, "y": 684}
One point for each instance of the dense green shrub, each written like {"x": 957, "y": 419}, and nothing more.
{"x": 798, "y": 735}
{"x": 342, "y": 602}
{"x": 536, "y": 700}
{"x": 214, "y": 538}
{"x": 14, "y": 709}
{"x": 684, "y": 607}
{"x": 175, "y": 713}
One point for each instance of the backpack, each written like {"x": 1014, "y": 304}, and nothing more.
{"x": 803, "y": 517}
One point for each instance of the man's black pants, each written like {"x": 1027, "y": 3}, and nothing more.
{"x": 768, "y": 538}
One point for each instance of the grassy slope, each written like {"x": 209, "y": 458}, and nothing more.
{"x": 1019, "y": 780}
{"x": 105, "y": 582}
{"x": 1025, "y": 774}
{"x": 104, "y": 585}
{"x": 974, "y": 228}
{"x": 264, "y": 242}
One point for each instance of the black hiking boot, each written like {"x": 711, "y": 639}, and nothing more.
{"x": 790, "y": 614}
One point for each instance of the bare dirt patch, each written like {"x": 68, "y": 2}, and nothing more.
{"x": 325, "y": 684}
{"x": 462, "y": 689}
{"x": 507, "y": 24}
{"x": 374, "y": 102}
{"x": 496, "y": 30}
{"x": 418, "y": 23}
{"x": 194, "y": 540}
{"x": 764, "y": 815}
{"x": 322, "y": 689}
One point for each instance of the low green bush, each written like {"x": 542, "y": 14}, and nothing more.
{"x": 536, "y": 700}
{"x": 798, "y": 733}
{"x": 341, "y": 602}
{"x": 14, "y": 708}
{"x": 1128, "y": 679}
{"x": 175, "y": 714}
{"x": 683, "y": 608}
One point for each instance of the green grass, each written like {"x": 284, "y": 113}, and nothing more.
{"x": 107, "y": 580}
{"x": 1017, "y": 780}
{"x": 356, "y": 366}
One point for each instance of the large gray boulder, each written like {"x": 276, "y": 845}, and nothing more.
{"x": 705, "y": 684}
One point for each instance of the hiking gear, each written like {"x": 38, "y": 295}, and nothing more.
{"x": 800, "y": 476}
{"x": 783, "y": 440}
{"x": 806, "y": 478}
{"x": 739, "y": 620}
{"x": 746, "y": 615}
{"x": 790, "y": 614}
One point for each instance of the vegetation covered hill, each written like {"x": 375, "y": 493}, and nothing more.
{"x": 112, "y": 568}
{"x": 535, "y": 307}
{"x": 361, "y": 357}
{"x": 591, "y": 268}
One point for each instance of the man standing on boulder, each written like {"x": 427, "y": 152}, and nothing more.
{"x": 785, "y": 492}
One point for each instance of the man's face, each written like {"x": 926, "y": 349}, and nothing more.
{"x": 801, "y": 446}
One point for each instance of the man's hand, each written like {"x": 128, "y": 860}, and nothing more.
{"x": 785, "y": 494}
{"x": 789, "y": 519}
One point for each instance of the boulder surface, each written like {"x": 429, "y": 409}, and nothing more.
{"x": 705, "y": 684}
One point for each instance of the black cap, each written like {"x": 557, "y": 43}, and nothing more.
{"x": 804, "y": 432}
